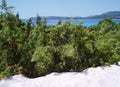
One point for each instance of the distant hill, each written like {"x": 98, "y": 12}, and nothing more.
{"x": 58, "y": 17}
{"x": 111, "y": 14}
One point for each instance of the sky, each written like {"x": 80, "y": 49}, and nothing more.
{"x": 30, "y": 8}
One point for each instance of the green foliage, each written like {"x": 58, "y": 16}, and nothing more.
{"x": 38, "y": 19}
{"x": 5, "y": 8}
{"x": 36, "y": 50}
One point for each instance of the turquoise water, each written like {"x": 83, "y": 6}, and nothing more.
{"x": 86, "y": 22}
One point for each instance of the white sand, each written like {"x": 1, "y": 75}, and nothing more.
{"x": 92, "y": 77}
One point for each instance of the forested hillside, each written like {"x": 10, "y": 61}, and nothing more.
{"x": 111, "y": 14}
{"x": 39, "y": 49}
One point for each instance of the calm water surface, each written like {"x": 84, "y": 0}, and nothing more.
{"x": 86, "y": 22}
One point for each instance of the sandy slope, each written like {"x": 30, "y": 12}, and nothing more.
{"x": 92, "y": 77}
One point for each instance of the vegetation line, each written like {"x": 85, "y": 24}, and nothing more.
{"x": 39, "y": 49}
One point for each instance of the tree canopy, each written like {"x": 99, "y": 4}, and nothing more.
{"x": 36, "y": 50}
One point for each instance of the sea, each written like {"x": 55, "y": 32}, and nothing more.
{"x": 85, "y": 22}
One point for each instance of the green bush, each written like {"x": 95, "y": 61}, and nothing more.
{"x": 36, "y": 50}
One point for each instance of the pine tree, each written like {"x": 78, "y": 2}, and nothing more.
{"x": 38, "y": 20}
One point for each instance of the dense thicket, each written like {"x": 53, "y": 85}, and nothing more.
{"x": 36, "y": 50}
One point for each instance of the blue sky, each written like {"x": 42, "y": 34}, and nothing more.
{"x": 30, "y": 8}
